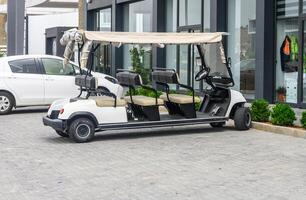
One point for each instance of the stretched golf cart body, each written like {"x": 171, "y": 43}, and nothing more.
{"x": 81, "y": 118}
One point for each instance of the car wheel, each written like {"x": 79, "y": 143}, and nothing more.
{"x": 81, "y": 130}
{"x": 6, "y": 103}
{"x": 243, "y": 119}
{"x": 217, "y": 124}
{"x": 62, "y": 134}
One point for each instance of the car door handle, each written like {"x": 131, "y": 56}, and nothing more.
{"x": 12, "y": 77}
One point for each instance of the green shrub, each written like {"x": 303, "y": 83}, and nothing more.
{"x": 145, "y": 92}
{"x": 137, "y": 58}
{"x": 303, "y": 120}
{"x": 282, "y": 115}
{"x": 260, "y": 110}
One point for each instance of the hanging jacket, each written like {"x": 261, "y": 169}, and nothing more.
{"x": 285, "y": 52}
{"x": 294, "y": 48}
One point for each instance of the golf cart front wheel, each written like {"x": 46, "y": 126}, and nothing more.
{"x": 217, "y": 124}
{"x": 243, "y": 119}
{"x": 82, "y": 130}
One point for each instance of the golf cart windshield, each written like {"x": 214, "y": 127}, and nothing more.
{"x": 219, "y": 66}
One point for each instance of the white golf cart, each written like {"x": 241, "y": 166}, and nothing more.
{"x": 80, "y": 118}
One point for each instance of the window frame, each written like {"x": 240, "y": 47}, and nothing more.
{"x": 38, "y": 69}
{"x": 44, "y": 71}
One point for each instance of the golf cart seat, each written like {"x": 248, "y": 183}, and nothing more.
{"x": 86, "y": 81}
{"x": 104, "y": 101}
{"x": 175, "y": 103}
{"x": 144, "y": 101}
{"x": 142, "y": 107}
{"x": 180, "y": 98}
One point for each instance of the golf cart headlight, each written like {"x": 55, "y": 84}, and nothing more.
{"x": 198, "y": 61}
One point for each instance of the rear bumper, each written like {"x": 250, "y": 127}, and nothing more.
{"x": 56, "y": 124}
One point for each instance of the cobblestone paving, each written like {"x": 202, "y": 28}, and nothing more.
{"x": 36, "y": 164}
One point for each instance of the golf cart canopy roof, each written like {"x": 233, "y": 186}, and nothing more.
{"x": 88, "y": 38}
{"x": 152, "y": 38}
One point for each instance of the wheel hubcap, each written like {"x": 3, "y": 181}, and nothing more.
{"x": 83, "y": 130}
{"x": 4, "y": 103}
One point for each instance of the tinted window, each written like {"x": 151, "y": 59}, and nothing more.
{"x": 56, "y": 67}
{"x": 26, "y": 66}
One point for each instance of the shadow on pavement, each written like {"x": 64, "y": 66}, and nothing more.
{"x": 146, "y": 133}
{"x": 29, "y": 110}
{"x": 154, "y": 133}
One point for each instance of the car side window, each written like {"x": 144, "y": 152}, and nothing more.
{"x": 56, "y": 67}
{"x": 25, "y": 66}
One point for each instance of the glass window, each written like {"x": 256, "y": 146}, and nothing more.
{"x": 287, "y": 60}
{"x": 105, "y": 19}
{"x": 56, "y": 67}
{"x": 102, "y": 58}
{"x": 241, "y": 44}
{"x": 190, "y": 12}
{"x": 138, "y": 18}
{"x": 304, "y": 65}
{"x": 171, "y": 26}
{"x": 26, "y": 66}
{"x": 206, "y": 15}
{"x": 304, "y": 6}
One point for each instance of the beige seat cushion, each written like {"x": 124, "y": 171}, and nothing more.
{"x": 180, "y": 98}
{"x": 144, "y": 101}
{"x": 104, "y": 101}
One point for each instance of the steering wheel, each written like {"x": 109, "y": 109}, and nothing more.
{"x": 202, "y": 74}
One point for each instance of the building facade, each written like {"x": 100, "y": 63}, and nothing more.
{"x": 265, "y": 41}
{"x": 3, "y": 22}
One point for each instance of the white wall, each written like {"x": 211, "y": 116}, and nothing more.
{"x": 39, "y": 24}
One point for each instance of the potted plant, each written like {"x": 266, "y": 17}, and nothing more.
{"x": 281, "y": 94}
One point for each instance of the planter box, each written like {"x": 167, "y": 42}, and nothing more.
{"x": 291, "y": 131}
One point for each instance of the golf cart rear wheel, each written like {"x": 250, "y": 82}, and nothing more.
{"x": 217, "y": 124}
{"x": 62, "y": 134}
{"x": 243, "y": 119}
{"x": 82, "y": 130}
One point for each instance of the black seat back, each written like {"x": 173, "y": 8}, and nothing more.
{"x": 165, "y": 76}
{"x": 86, "y": 81}
{"x": 129, "y": 79}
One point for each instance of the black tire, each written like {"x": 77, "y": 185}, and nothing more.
{"x": 82, "y": 130}
{"x": 243, "y": 119}
{"x": 62, "y": 134}
{"x": 7, "y": 102}
{"x": 217, "y": 124}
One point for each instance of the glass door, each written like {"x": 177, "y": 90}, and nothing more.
{"x": 302, "y": 69}
{"x": 186, "y": 65}
{"x": 301, "y": 86}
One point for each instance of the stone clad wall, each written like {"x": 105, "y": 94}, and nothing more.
{"x": 3, "y": 20}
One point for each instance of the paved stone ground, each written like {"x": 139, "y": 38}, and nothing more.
{"x": 170, "y": 164}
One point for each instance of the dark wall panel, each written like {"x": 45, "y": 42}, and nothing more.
{"x": 15, "y": 27}
{"x": 265, "y": 50}
{"x": 96, "y": 4}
